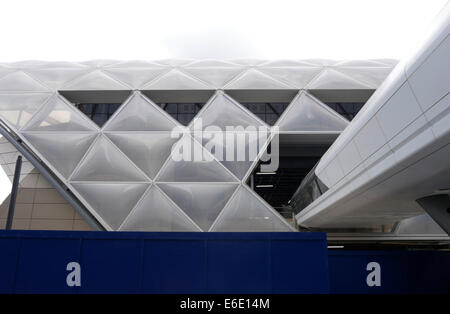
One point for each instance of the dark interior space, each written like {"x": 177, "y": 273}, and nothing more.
{"x": 296, "y": 160}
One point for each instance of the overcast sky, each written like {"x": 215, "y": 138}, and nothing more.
{"x": 136, "y": 29}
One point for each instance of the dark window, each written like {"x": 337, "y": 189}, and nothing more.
{"x": 99, "y": 113}
{"x": 346, "y": 109}
{"x": 183, "y": 113}
{"x": 268, "y": 112}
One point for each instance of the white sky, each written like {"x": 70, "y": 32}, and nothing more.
{"x": 76, "y": 30}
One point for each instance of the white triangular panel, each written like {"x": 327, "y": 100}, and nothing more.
{"x": 56, "y": 77}
{"x": 223, "y": 111}
{"x": 62, "y": 151}
{"x": 17, "y": 109}
{"x": 331, "y": 79}
{"x": 100, "y": 63}
{"x": 58, "y": 115}
{"x": 245, "y": 212}
{"x": 20, "y": 82}
{"x": 138, "y": 113}
{"x": 155, "y": 212}
{"x": 370, "y": 76}
{"x": 174, "y": 80}
{"x": 254, "y": 79}
{"x": 112, "y": 202}
{"x": 298, "y": 77}
{"x": 360, "y": 63}
{"x": 306, "y": 113}
{"x": 284, "y": 63}
{"x": 202, "y": 202}
{"x": 133, "y": 64}
{"x": 105, "y": 162}
{"x": 135, "y": 77}
{"x": 217, "y": 77}
{"x": 95, "y": 80}
{"x": 190, "y": 162}
{"x": 211, "y": 64}
{"x": 148, "y": 150}
{"x": 237, "y": 151}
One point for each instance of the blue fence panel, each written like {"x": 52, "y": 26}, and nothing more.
{"x": 9, "y": 256}
{"x": 174, "y": 266}
{"x": 399, "y": 271}
{"x": 130, "y": 262}
{"x": 42, "y": 264}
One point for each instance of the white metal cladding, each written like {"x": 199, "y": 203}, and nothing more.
{"x": 122, "y": 172}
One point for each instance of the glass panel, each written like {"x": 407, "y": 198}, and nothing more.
{"x": 157, "y": 213}
{"x": 57, "y": 115}
{"x": 105, "y": 162}
{"x": 246, "y": 212}
{"x": 55, "y": 77}
{"x": 140, "y": 114}
{"x": 176, "y": 80}
{"x": 307, "y": 114}
{"x": 135, "y": 77}
{"x": 18, "y": 109}
{"x": 331, "y": 79}
{"x": 222, "y": 111}
{"x": 202, "y": 202}
{"x": 99, "y": 113}
{"x": 19, "y": 81}
{"x": 268, "y": 112}
{"x": 253, "y": 79}
{"x": 371, "y": 76}
{"x": 111, "y": 201}
{"x": 217, "y": 77}
{"x": 148, "y": 151}
{"x": 182, "y": 112}
{"x": 62, "y": 151}
{"x": 187, "y": 164}
{"x": 96, "y": 80}
{"x": 235, "y": 150}
{"x": 298, "y": 77}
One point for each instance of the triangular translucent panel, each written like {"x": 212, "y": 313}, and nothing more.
{"x": 63, "y": 151}
{"x": 100, "y": 63}
{"x": 237, "y": 151}
{"x": 298, "y": 77}
{"x": 217, "y": 77}
{"x": 245, "y": 212}
{"x": 18, "y": 109}
{"x": 20, "y": 82}
{"x": 112, "y": 202}
{"x": 56, "y": 77}
{"x": 254, "y": 79}
{"x": 4, "y": 71}
{"x": 133, "y": 64}
{"x": 247, "y": 62}
{"x": 148, "y": 151}
{"x": 370, "y": 76}
{"x": 190, "y": 162}
{"x": 211, "y": 64}
{"x": 95, "y": 80}
{"x": 320, "y": 62}
{"x": 174, "y": 62}
{"x": 285, "y": 63}
{"x": 138, "y": 113}
{"x": 57, "y": 115}
{"x": 135, "y": 77}
{"x": 306, "y": 113}
{"x": 222, "y": 111}
{"x": 155, "y": 212}
{"x": 175, "y": 79}
{"x": 62, "y": 65}
{"x": 359, "y": 63}
{"x": 202, "y": 202}
{"x": 105, "y": 162}
{"x": 331, "y": 79}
